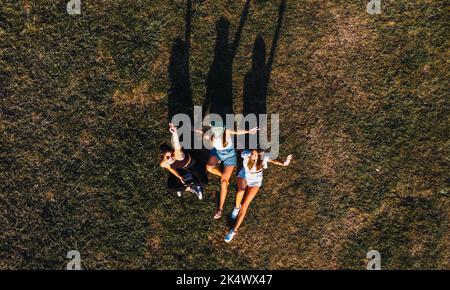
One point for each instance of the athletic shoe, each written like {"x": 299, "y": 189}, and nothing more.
{"x": 235, "y": 213}
{"x": 229, "y": 236}
{"x": 199, "y": 192}
{"x": 179, "y": 193}
{"x": 190, "y": 189}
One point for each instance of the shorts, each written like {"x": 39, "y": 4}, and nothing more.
{"x": 253, "y": 179}
{"x": 227, "y": 157}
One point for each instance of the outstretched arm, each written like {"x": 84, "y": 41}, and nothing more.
{"x": 282, "y": 163}
{"x": 179, "y": 155}
{"x": 238, "y": 34}
{"x": 241, "y": 132}
{"x": 276, "y": 37}
{"x": 173, "y": 171}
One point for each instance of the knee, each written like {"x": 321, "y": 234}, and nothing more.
{"x": 225, "y": 182}
{"x": 209, "y": 168}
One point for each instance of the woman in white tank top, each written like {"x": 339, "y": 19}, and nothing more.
{"x": 250, "y": 180}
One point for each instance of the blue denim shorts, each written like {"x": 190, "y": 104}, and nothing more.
{"x": 227, "y": 157}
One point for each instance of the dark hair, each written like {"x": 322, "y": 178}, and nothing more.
{"x": 164, "y": 148}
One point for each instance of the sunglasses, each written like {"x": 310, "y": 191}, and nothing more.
{"x": 171, "y": 156}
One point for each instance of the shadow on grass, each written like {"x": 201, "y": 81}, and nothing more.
{"x": 180, "y": 92}
{"x": 219, "y": 85}
{"x": 256, "y": 80}
{"x": 219, "y": 97}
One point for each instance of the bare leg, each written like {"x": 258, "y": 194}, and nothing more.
{"x": 212, "y": 166}
{"x": 224, "y": 182}
{"x": 251, "y": 193}
{"x": 242, "y": 185}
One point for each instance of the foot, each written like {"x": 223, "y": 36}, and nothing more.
{"x": 179, "y": 193}
{"x": 230, "y": 236}
{"x": 235, "y": 212}
{"x": 199, "y": 191}
{"x": 218, "y": 214}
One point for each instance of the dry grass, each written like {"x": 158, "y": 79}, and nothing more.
{"x": 363, "y": 108}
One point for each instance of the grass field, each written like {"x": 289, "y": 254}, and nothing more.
{"x": 364, "y": 109}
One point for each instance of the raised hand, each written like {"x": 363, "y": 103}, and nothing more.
{"x": 172, "y": 128}
{"x": 253, "y": 130}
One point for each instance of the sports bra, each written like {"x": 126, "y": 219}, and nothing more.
{"x": 182, "y": 163}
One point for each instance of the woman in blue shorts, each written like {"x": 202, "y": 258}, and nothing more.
{"x": 223, "y": 152}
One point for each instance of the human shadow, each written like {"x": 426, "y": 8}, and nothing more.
{"x": 219, "y": 84}
{"x": 180, "y": 91}
{"x": 256, "y": 80}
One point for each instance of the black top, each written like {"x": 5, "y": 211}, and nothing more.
{"x": 183, "y": 164}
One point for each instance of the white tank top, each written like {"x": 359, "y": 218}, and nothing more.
{"x": 253, "y": 171}
{"x": 217, "y": 142}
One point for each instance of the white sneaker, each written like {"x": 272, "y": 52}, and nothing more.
{"x": 190, "y": 189}
{"x": 229, "y": 236}
{"x": 199, "y": 192}
{"x": 179, "y": 193}
{"x": 235, "y": 213}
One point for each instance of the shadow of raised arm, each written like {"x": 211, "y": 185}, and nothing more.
{"x": 276, "y": 38}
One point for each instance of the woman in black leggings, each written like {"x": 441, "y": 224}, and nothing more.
{"x": 185, "y": 175}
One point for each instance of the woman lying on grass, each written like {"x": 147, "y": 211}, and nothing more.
{"x": 183, "y": 166}
{"x": 223, "y": 152}
{"x": 250, "y": 180}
